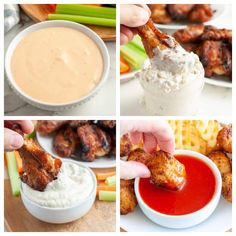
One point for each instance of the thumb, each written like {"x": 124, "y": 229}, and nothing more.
{"x": 133, "y": 169}
{"x": 12, "y": 140}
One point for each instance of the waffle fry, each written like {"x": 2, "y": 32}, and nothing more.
{"x": 196, "y": 135}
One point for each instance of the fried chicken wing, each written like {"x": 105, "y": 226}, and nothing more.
{"x": 125, "y": 145}
{"x": 190, "y": 34}
{"x": 46, "y": 127}
{"x": 77, "y": 123}
{"x": 221, "y": 160}
{"x": 212, "y": 33}
{"x": 200, "y": 13}
{"x": 94, "y": 142}
{"x": 39, "y": 168}
{"x": 224, "y": 138}
{"x": 112, "y": 134}
{"x": 107, "y": 123}
{"x": 227, "y": 186}
{"x": 153, "y": 38}
{"x": 139, "y": 155}
{"x": 128, "y": 199}
{"x": 159, "y": 13}
{"x": 65, "y": 142}
{"x": 179, "y": 11}
{"x": 166, "y": 171}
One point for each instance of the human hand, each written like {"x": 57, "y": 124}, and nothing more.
{"x": 13, "y": 140}
{"x": 153, "y": 134}
{"x": 132, "y": 16}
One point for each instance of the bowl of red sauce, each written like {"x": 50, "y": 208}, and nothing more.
{"x": 190, "y": 205}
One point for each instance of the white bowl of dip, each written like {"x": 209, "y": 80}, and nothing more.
{"x": 66, "y": 66}
{"x": 190, "y": 219}
{"x": 62, "y": 203}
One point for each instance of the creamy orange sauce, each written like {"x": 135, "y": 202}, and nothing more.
{"x": 57, "y": 65}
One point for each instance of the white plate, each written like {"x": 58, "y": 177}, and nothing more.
{"x": 218, "y": 8}
{"x": 219, "y": 221}
{"x": 46, "y": 142}
{"x": 128, "y": 76}
{"x": 221, "y": 81}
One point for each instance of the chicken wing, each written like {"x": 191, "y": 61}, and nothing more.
{"x": 125, "y": 145}
{"x": 212, "y": 33}
{"x": 200, "y": 13}
{"x": 94, "y": 142}
{"x": 221, "y": 160}
{"x": 39, "y": 168}
{"x": 107, "y": 123}
{"x": 65, "y": 142}
{"x": 77, "y": 123}
{"x": 139, "y": 155}
{"x": 159, "y": 13}
{"x": 128, "y": 199}
{"x": 180, "y": 12}
{"x": 166, "y": 171}
{"x": 227, "y": 186}
{"x": 224, "y": 138}
{"x": 46, "y": 127}
{"x": 153, "y": 38}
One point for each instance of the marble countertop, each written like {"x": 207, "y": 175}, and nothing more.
{"x": 214, "y": 101}
{"x": 103, "y": 104}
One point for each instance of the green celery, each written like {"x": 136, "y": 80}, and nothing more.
{"x": 13, "y": 173}
{"x": 133, "y": 56}
{"x": 83, "y": 10}
{"x": 109, "y": 196}
{"x": 138, "y": 43}
{"x": 111, "y": 180}
{"x": 84, "y": 19}
{"x": 31, "y": 135}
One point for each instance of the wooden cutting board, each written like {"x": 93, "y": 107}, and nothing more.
{"x": 39, "y": 12}
{"x": 101, "y": 217}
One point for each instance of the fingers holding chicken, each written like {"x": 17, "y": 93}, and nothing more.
{"x": 94, "y": 142}
{"x": 166, "y": 171}
{"x": 224, "y": 138}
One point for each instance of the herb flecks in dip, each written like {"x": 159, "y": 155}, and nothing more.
{"x": 73, "y": 185}
{"x": 57, "y": 65}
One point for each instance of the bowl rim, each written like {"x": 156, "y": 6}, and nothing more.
{"x": 57, "y": 23}
{"x": 64, "y": 208}
{"x": 217, "y": 191}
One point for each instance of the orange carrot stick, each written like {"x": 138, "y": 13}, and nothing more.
{"x": 103, "y": 176}
{"x": 18, "y": 161}
{"x": 106, "y": 188}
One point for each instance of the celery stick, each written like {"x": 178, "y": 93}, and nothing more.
{"x": 31, "y": 135}
{"x": 109, "y": 196}
{"x": 137, "y": 42}
{"x": 110, "y": 180}
{"x": 13, "y": 173}
{"x": 83, "y": 10}
{"x": 133, "y": 56}
{"x": 84, "y": 19}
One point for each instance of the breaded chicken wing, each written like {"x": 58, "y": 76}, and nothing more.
{"x": 166, "y": 171}
{"x": 39, "y": 168}
{"x": 128, "y": 199}
{"x": 107, "y": 123}
{"x": 227, "y": 186}
{"x": 125, "y": 145}
{"x": 224, "y": 138}
{"x": 139, "y": 155}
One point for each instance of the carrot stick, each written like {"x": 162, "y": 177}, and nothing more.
{"x": 18, "y": 161}
{"x": 105, "y": 188}
{"x": 103, "y": 176}
{"x": 124, "y": 67}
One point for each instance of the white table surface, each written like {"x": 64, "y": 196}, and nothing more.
{"x": 103, "y": 104}
{"x": 215, "y": 101}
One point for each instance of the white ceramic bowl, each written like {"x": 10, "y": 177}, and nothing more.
{"x": 187, "y": 220}
{"x": 57, "y": 23}
{"x": 61, "y": 215}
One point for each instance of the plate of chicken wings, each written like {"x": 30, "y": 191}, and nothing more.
{"x": 178, "y": 16}
{"x": 214, "y": 48}
{"x": 90, "y": 142}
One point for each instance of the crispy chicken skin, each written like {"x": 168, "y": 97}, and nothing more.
{"x": 159, "y": 13}
{"x": 77, "y": 123}
{"x": 139, "y": 155}
{"x": 46, "y": 127}
{"x": 227, "y": 186}
{"x": 200, "y": 13}
{"x": 112, "y": 134}
{"x": 39, "y": 168}
{"x": 107, "y": 123}
{"x": 94, "y": 142}
{"x": 125, "y": 145}
{"x": 221, "y": 160}
{"x": 224, "y": 138}
{"x": 166, "y": 171}
{"x": 128, "y": 199}
{"x": 65, "y": 141}
{"x": 179, "y": 11}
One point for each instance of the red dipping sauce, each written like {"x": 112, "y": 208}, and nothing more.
{"x": 196, "y": 193}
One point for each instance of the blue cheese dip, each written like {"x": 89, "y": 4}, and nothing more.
{"x": 74, "y": 184}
